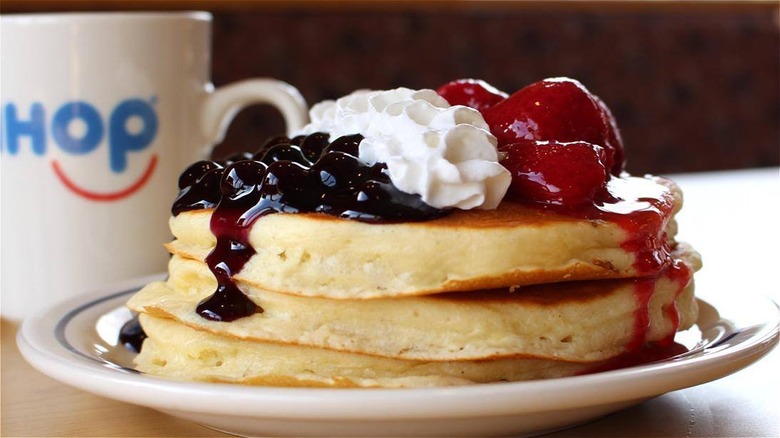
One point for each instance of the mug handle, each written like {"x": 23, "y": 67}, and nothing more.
{"x": 222, "y": 104}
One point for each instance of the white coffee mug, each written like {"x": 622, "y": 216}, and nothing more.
{"x": 100, "y": 113}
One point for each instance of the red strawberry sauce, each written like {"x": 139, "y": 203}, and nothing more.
{"x": 642, "y": 208}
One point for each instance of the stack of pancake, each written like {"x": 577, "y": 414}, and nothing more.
{"x": 476, "y": 296}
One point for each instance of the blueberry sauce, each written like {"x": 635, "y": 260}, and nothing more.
{"x": 306, "y": 174}
{"x": 132, "y": 335}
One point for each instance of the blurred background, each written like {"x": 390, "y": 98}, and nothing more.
{"x": 694, "y": 85}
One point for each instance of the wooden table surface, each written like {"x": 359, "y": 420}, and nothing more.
{"x": 35, "y": 405}
{"x": 732, "y": 218}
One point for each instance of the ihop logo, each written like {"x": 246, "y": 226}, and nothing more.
{"x": 77, "y": 128}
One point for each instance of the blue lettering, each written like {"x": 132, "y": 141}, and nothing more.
{"x": 34, "y": 128}
{"x": 121, "y": 140}
{"x": 132, "y": 126}
{"x": 94, "y": 128}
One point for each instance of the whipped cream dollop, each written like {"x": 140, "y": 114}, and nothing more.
{"x": 443, "y": 153}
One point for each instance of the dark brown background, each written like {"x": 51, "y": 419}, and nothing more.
{"x": 694, "y": 85}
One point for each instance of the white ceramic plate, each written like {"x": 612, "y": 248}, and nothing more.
{"x": 75, "y": 342}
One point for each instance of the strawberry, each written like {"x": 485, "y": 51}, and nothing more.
{"x": 564, "y": 174}
{"x": 614, "y": 139}
{"x": 560, "y": 110}
{"x": 473, "y": 93}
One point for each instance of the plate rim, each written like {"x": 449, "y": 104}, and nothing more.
{"x": 38, "y": 343}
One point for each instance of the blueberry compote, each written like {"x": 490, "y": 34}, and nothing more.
{"x": 132, "y": 335}
{"x": 300, "y": 175}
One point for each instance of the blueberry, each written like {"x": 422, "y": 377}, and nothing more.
{"x": 203, "y": 193}
{"x": 313, "y": 145}
{"x": 346, "y": 143}
{"x": 241, "y": 156}
{"x": 242, "y": 177}
{"x": 297, "y": 140}
{"x": 196, "y": 170}
{"x": 284, "y": 152}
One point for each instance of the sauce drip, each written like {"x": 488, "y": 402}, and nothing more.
{"x": 644, "y": 221}
{"x": 132, "y": 335}
{"x": 643, "y": 293}
{"x": 642, "y": 208}
{"x": 681, "y": 274}
{"x": 644, "y": 288}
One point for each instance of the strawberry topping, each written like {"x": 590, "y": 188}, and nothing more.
{"x": 568, "y": 175}
{"x": 473, "y": 93}
{"x": 558, "y": 109}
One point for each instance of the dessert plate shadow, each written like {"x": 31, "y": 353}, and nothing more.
{"x": 75, "y": 342}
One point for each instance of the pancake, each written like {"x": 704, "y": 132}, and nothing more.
{"x": 179, "y": 352}
{"x": 316, "y": 255}
{"x": 574, "y": 321}
{"x": 395, "y": 244}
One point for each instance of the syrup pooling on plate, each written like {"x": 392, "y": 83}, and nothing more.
{"x": 643, "y": 355}
{"x": 305, "y": 174}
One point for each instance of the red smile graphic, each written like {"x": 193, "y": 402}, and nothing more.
{"x": 110, "y": 196}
